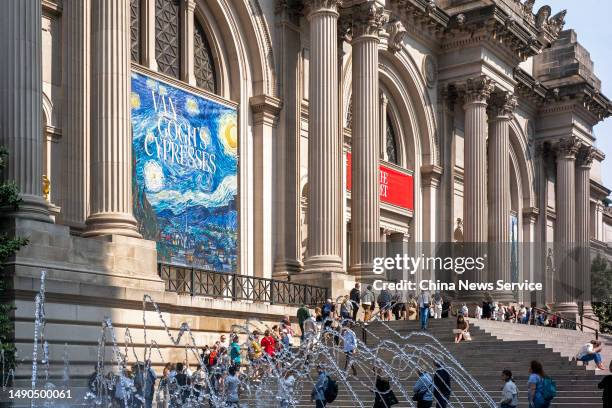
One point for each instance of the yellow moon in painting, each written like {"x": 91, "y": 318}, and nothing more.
{"x": 228, "y": 134}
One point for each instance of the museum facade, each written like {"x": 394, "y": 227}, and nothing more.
{"x": 161, "y": 145}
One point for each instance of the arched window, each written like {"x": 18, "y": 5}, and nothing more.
{"x": 390, "y": 142}
{"x": 135, "y": 30}
{"x": 167, "y": 43}
{"x": 203, "y": 60}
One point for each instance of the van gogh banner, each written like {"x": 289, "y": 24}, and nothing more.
{"x": 185, "y": 183}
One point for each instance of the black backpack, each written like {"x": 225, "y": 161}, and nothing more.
{"x": 331, "y": 390}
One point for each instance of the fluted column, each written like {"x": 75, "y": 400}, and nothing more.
{"x": 147, "y": 44}
{"x": 565, "y": 228}
{"x": 367, "y": 20}
{"x": 76, "y": 124}
{"x": 583, "y": 199}
{"x": 324, "y": 177}
{"x": 21, "y": 103}
{"x": 501, "y": 107}
{"x": 475, "y": 145}
{"x": 111, "y": 167}
{"x": 187, "y": 27}
{"x": 477, "y": 92}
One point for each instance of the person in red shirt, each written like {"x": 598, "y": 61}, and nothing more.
{"x": 268, "y": 343}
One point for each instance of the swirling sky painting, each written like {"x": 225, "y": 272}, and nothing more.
{"x": 185, "y": 174}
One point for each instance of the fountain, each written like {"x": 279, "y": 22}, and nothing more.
{"x": 398, "y": 357}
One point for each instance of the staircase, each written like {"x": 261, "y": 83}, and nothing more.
{"x": 484, "y": 358}
{"x": 565, "y": 342}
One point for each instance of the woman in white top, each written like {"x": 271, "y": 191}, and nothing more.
{"x": 591, "y": 351}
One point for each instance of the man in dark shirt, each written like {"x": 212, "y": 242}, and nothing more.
{"x": 442, "y": 386}
{"x": 606, "y": 386}
{"x": 355, "y": 297}
{"x": 302, "y": 315}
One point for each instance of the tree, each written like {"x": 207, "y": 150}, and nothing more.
{"x": 9, "y": 200}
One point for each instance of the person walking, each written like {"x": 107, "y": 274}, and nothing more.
{"x": 422, "y": 390}
{"x": 268, "y": 343}
{"x": 438, "y": 302}
{"x": 606, "y": 386}
{"x": 350, "y": 344}
{"x": 231, "y": 386}
{"x": 367, "y": 302}
{"x": 318, "y": 392}
{"x": 538, "y": 386}
{"x": 149, "y": 385}
{"x": 442, "y": 386}
{"x": 355, "y": 296}
{"x": 424, "y": 301}
{"x": 383, "y": 394}
{"x": 384, "y": 304}
{"x": 509, "y": 392}
{"x": 302, "y": 315}
{"x": 591, "y": 352}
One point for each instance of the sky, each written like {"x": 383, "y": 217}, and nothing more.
{"x": 591, "y": 20}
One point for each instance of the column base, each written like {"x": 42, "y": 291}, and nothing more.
{"x": 111, "y": 224}
{"x": 503, "y": 296}
{"x": 287, "y": 268}
{"x": 337, "y": 283}
{"x": 568, "y": 310}
{"x": 32, "y": 207}
{"x": 324, "y": 263}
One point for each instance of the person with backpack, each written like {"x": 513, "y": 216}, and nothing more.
{"x": 442, "y": 386}
{"x": 350, "y": 344}
{"x": 541, "y": 389}
{"x": 509, "y": 392}
{"x": 422, "y": 390}
{"x": 318, "y": 392}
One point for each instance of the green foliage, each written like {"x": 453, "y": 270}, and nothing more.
{"x": 9, "y": 199}
{"x": 601, "y": 290}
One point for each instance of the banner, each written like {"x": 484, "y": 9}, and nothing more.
{"x": 396, "y": 187}
{"x": 185, "y": 174}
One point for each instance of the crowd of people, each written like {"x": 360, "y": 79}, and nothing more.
{"x": 221, "y": 366}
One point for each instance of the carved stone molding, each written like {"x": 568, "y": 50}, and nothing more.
{"x": 367, "y": 19}
{"x": 397, "y": 33}
{"x": 586, "y": 155}
{"x": 321, "y": 6}
{"x": 430, "y": 71}
{"x": 477, "y": 90}
{"x": 502, "y": 105}
{"x": 567, "y": 147}
{"x": 265, "y": 109}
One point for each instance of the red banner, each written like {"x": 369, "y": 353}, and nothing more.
{"x": 396, "y": 187}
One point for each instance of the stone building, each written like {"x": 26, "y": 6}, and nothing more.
{"x": 462, "y": 120}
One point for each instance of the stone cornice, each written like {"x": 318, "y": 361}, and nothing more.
{"x": 422, "y": 18}
{"x": 525, "y": 35}
{"x": 52, "y": 7}
{"x": 599, "y": 190}
{"x": 529, "y": 88}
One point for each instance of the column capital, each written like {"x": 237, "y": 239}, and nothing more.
{"x": 530, "y": 214}
{"x": 567, "y": 148}
{"x": 314, "y": 7}
{"x": 431, "y": 175}
{"x": 586, "y": 155}
{"x": 477, "y": 90}
{"x": 189, "y": 5}
{"x": 366, "y": 19}
{"x": 502, "y": 105}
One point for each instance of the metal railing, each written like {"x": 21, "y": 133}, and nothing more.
{"x": 565, "y": 323}
{"x": 200, "y": 282}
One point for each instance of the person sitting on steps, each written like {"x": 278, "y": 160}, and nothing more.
{"x": 591, "y": 351}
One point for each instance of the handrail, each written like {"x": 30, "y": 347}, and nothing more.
{"x": 582, "y": 325}
{"x": 582, "y": 316}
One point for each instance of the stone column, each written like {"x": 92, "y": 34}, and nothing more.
{"x": 384, "y": 101}
{"x": 21, "y": 103}
{"x": 324, "y": 172}
{"x": 76, "y": 112}
{"x": 147, "y": 38}
{"x": 583, "y": 200}
{"x": 111, "y": 142}
{"x": 431, "y": 176}
{"x": 367, "y": 20}
{"x": 187, "y": 50}
{"x": 477, "y": 92}
{"x": 565, "y": 229}
{"x": 501, "y": 107}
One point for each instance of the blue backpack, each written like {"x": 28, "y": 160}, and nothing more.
{"x": 549, "y": 389}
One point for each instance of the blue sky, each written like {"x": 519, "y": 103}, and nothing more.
{"x": 591, "y": 20}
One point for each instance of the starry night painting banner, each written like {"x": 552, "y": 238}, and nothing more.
{"x": 184, "y": 182}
